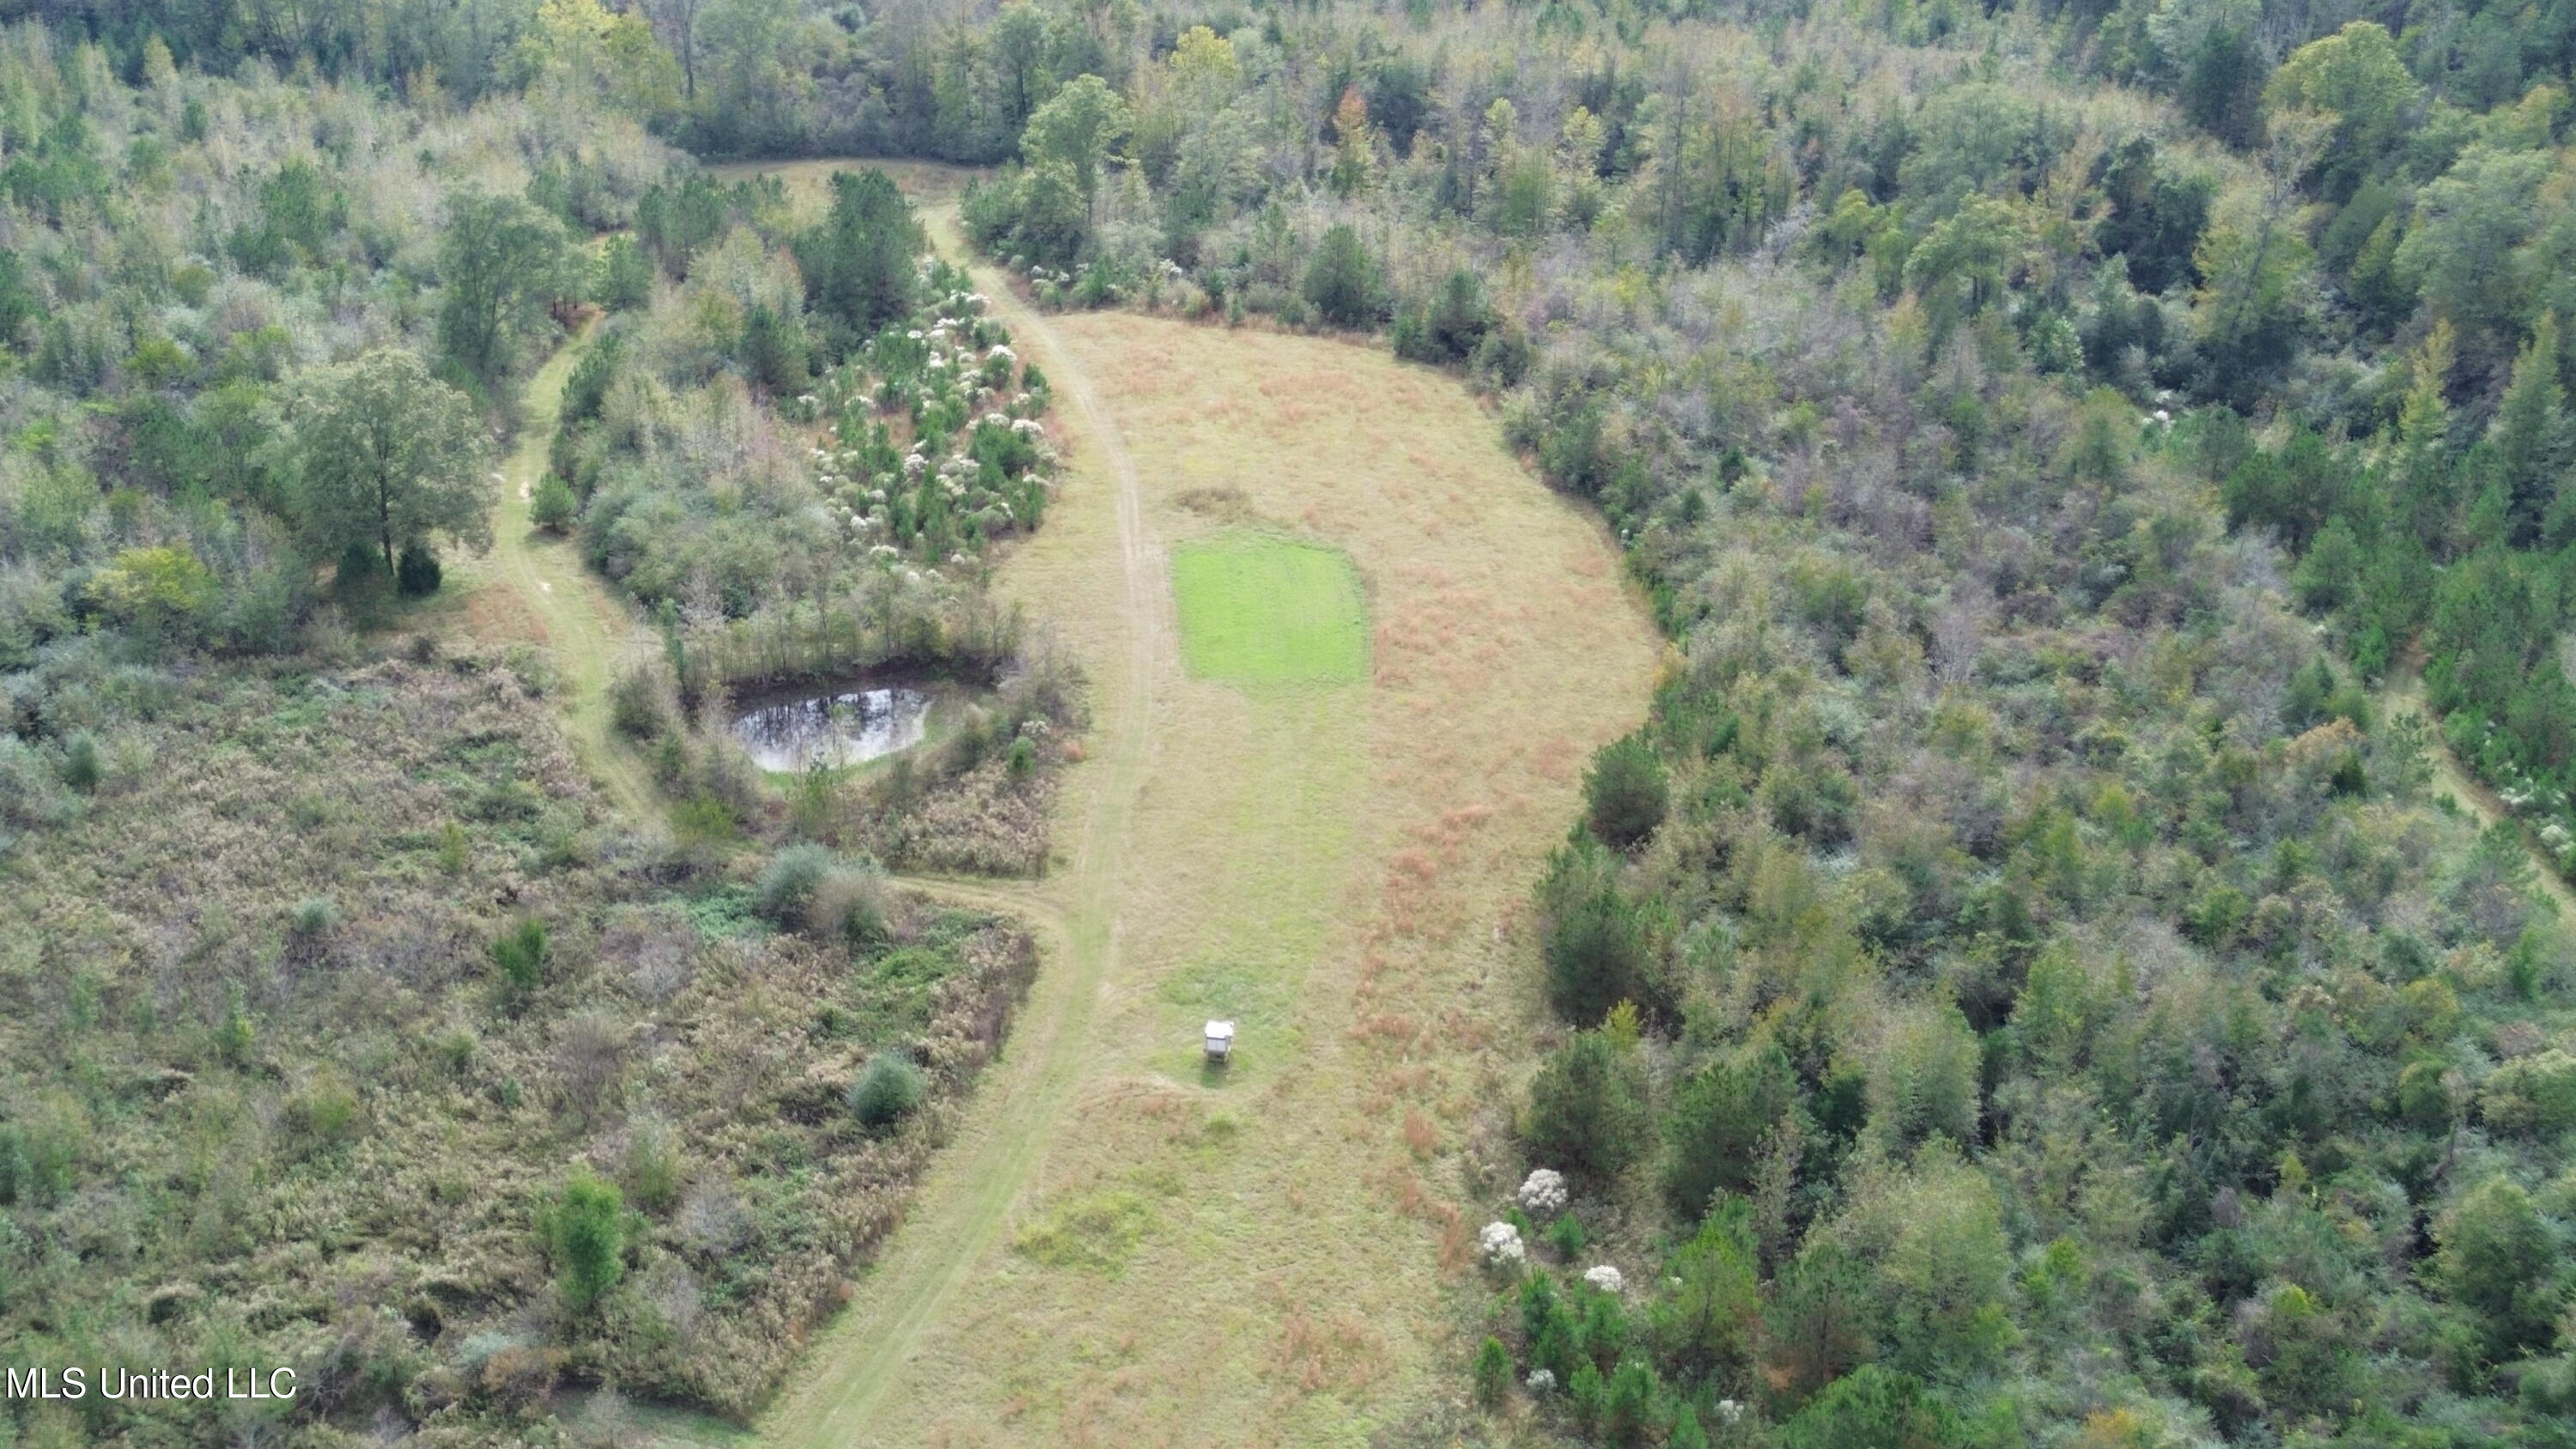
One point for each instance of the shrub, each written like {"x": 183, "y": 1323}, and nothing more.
{"x": 1023, "y": 758}
{"x": 81, "y": 768}
{"x": 702, "y": 819}
{"x": 313, "y": 918}
{"x": 1587, "y": 1106}
{"x": 455, "y": 1051}
{"x": 1625, "y": 793}
{"x": 653, "y": 1168}
{"x": 1873, "y": 1405}
{"x": 31, "y": 788}
{"x": 361, "y": 584}
{"x": 1628, "y": 1403}
{"x": 1719, "y": 1118}
{"x": 519, "y": 957}
{"x": 416, "y": 572}
{"x": 888, "y": 1089}
{"x": 848, "y": 905}
{"x": 1342, "y": 280}
{"x": 1567, "y": 1237}
{"x": 553, "y": 507}
{"x": 1493, "y": 1372}
{"x": 38, "y": 1163}
{"x": 1596, "y": 958}
{"x": 586, "y": 1229}
{"x": 323, "y": 1114}
{"x": 788, "y": 883}
{"x": 641, "y": 703}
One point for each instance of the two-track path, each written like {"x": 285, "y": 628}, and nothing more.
{"x": 582, "y": 625}
{"x": 966, "y": 1203}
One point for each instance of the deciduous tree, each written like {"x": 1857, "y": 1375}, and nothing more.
{"x": 388, "y": 455}
{"x": 500, "y": 261}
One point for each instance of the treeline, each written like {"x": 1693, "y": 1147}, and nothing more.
{"x": 722, "y": 77}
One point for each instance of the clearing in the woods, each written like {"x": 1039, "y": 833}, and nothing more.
{"x": 1407, "y": 649}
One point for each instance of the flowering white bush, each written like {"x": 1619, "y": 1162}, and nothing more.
{"x": 1502, "y": 1246}
{"x": 1541, "y": 1380}
{"x": 1605, "y": 1278}
{"x": 1543, "y": 1191}
{"x": 1729, "y": 1411}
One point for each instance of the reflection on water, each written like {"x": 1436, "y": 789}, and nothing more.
{"x": 833, "y": 729}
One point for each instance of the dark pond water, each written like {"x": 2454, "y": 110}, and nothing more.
{"x": 846, "y": 726}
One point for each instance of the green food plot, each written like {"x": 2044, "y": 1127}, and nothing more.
{"x": 1258, "y": 610}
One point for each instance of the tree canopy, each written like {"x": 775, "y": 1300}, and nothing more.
{"x": 500, "y": 261}
{"x": 387, "y": 455}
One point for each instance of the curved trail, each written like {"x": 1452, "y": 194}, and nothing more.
{"x": 581, "y": 623}
{"x": 966, "y": 1203}
{"x": 2404, "y": 693}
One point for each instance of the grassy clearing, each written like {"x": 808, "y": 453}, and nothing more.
{"x": 1340, "y": 868}
{"x": 1261, "y": 610}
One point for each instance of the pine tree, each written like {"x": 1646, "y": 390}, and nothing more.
{"x": 2531, "y": 436}
{"x": 859, "y": 263}
{"x": 1342, "y": 280}
{"x": 586, "y": 1228}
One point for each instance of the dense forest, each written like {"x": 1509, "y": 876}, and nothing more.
{"x": 2029, "y": 981}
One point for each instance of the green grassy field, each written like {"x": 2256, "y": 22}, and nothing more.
{"x": 1257, "y": 610}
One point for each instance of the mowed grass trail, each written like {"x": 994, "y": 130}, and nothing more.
{"x": 1406, "y": 649}
{"x": 533, "y": 586}
{"x": 1259, "y": 609}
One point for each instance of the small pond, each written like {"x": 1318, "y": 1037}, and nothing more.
{"x": 849, "y": 724}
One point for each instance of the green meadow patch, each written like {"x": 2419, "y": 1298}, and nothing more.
{"x": 1098, "y": 1232}
{"x": 1258, "y": 610}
